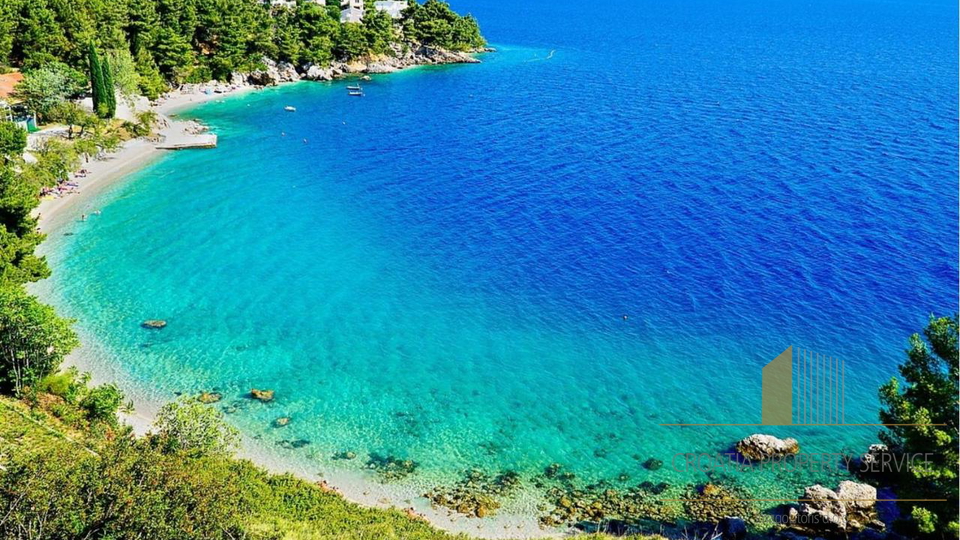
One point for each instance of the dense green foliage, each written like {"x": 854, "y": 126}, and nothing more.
{"x": 194, "y": 429}
{"x": 121, "y": 487}
{"x": 68, "y": 398}
{"x": 101, "y": 84}
{"x": 56, "y": 483}
{"x": 926, "y": 409}
{"x": 44, "y": 88}
{"x": 33, "y": 339}
{"x": 434, "y": 23}
{"x": 18, "y": 197}
{"x": 196, "y": 40}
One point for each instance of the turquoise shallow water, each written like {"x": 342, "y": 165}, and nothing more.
{"x": 440, "y": 271}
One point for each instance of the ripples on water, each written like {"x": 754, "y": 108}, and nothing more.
{"x": 441, "y": 272}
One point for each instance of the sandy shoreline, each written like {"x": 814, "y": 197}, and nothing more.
{"x": 132, "y": 155}
{"x": 91, "y": 357}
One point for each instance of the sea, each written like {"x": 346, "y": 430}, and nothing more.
{"x": 610, "y": 224}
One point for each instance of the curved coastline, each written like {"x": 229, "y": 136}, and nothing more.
{"x": 94, "y": 357}
{"x": 356, "y": 485}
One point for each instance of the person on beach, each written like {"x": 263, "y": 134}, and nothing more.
{"x": 83, "y": 217}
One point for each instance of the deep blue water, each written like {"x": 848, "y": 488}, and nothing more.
{"x": 441, "y": 270}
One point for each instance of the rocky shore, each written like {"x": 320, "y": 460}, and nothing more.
{"x": 400, "y": 57}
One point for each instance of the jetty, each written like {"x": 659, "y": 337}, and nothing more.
{"x": 179, "y": 135}
{"x": 203, "y": 140}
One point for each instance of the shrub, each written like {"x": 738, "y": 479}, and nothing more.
{"x": 33, "y": 339}
{"x": 102, "y": 403}
{"x": 188, "y": 426}
{"x": 69, "y": 385}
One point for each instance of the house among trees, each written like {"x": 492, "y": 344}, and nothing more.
{"x": 394, "y": 8}
{"x": 292, "y": 3}
{"x": 10, "y": 111}
{"x": 351, "y": 11}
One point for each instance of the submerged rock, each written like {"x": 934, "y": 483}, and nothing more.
{"x": 282, "y": 421}
{"x": 154, "y": 324}
{"x": 345, "y": 455}
{"x": 293, "y": 444}
{"x": 477, "y": 494}
{"x": 209, "y": 397}
{"x": 652, "y": 464}
{"x": 390, "y": 468}
{"x": 713, "y": 502}
{"x": 759, "y": 447}
{"x": 265, "y": 396}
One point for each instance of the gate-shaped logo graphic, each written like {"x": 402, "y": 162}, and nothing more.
{"x": 802, "y": 387}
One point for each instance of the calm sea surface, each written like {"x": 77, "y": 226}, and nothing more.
{"x": 439, "y": 271}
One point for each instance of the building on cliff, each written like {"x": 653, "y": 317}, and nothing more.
{"x": 393, "y": 7}
{"x": 351, "y": 11}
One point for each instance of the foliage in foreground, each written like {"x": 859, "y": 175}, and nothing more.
{"x": 33, "y": 339}
{"x": 56, "y": 486}
{"x": 927, "y": 397}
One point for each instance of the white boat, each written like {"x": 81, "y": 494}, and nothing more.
{"x": 289, "y": 108}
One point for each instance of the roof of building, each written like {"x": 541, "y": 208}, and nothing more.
{"x": 8, "y": 81}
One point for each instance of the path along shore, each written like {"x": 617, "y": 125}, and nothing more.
{"x": 132, "y": 155}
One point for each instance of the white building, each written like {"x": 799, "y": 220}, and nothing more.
{"x": 394, "y": 8}
{"x": 351, "y": 11}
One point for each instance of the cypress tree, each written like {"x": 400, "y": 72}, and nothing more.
{"x": 100, "y": 106}
{"x": 109, "y": 89}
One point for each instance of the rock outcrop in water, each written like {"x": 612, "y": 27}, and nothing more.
{"x": 262, "y": 395}
{"x": 826, "y": 512}
{"x": 209, "y": 397}
{"x": 477, "y": 494}
{"x": 154, "y": 324}
{"x": 759, "y": 447}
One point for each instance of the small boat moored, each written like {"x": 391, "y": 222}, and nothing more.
{"x": 290, "y": 108}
